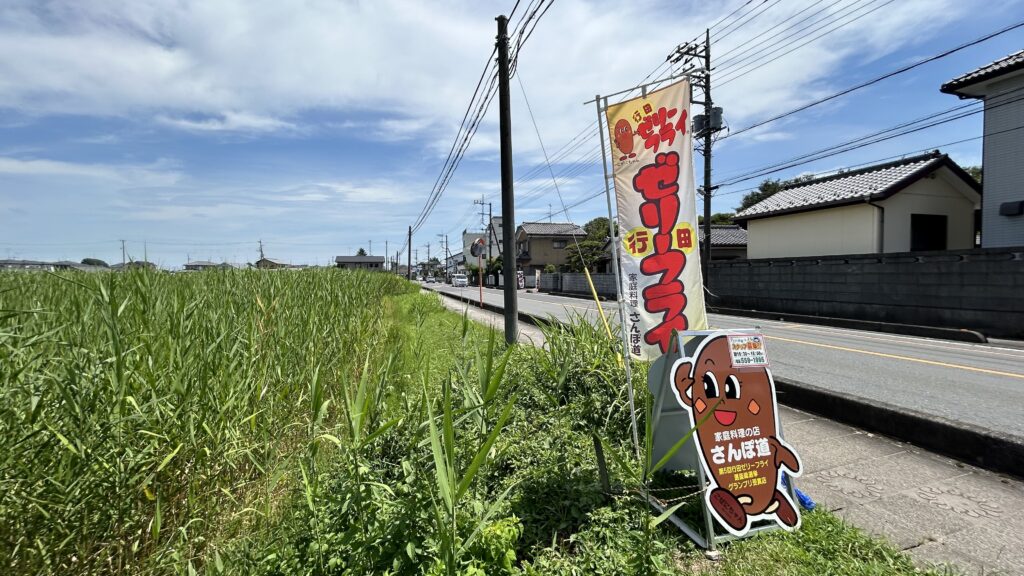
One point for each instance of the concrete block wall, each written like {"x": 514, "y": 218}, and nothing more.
{"x": 577, "y": 283}
{"x": 981, "y": 289}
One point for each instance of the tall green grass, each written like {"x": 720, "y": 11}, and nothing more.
{"x": 324, "y": 422}
{"x": 146, "y": 417}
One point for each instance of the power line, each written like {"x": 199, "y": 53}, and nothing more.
{"x": 458, "y": 150}
{"x": 887, "y": 158}
{"x": 749, "y": 19}
{"x": 878, "y": 79}
{"x": 737, "y": 19}
{"x": 761, "y": 62}
{"x": 810, "y": 24}
{"x": 725, "y": 60}
{"x": 871, "y": 139}
{"x": 730, "y": 15}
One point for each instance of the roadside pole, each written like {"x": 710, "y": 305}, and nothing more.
{"x": 706, "y": 256}
{"x": 508, "y": 262}
{"x": 408, "y": 256}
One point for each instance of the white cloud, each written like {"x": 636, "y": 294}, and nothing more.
{"x": 401, "y": 67}
{"x": 229, "y": 122}
{"x": 157, "y": 174}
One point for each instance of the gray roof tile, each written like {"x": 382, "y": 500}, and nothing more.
{"x": 553, "y": 229}
{"x": 726, "y": 235}
{"x": 999, "y": 67}
{"x": 842, "y": 188}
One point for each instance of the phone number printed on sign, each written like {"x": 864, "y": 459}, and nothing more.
{"x": 748, "y": 350}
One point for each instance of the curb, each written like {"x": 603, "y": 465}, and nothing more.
{"x": 970, "y": 444}
{"x": 963, "y": 442}
{"x": 962, "y": 335}
{"x": 579, "y": 296}
{"x": 523, "y": 316}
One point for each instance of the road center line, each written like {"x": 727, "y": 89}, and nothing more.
{"x": 953, "y": 346}
{"x": 897, "y": 357}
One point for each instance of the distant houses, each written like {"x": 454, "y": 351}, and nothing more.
{"x": 200, "y": 265}
{"x": 543, "y": 244}
{"x": 728, "y": 242}
{"x": 359, "y": 262}
{"x": 14, "y": 265}
{"x": 271, "y": 264}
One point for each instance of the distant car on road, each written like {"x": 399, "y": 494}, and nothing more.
{"x": 431, "y": 279}
{"x": 459, "y": 280}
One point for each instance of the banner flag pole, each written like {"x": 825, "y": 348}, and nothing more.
{"x": 618, "y": 282}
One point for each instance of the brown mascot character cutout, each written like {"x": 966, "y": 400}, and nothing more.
{"x": 739, "y": 445}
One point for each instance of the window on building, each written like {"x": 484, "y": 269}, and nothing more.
{"x": 558, "y": 244}
{"x": 928, "y": 231}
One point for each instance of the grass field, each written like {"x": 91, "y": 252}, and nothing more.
{"x": 326, "y": 422}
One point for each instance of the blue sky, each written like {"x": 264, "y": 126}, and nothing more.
{"x": 196, "y": 129}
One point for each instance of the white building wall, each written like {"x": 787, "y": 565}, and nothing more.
{"x": 943, "y": 194}
{"x": 1003, "y": 164}
{"x": 840, "y": 230}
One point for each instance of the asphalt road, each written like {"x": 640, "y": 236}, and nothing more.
{"x": 978, "y": 384}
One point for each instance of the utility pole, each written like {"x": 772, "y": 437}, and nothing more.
{"x": 370, "y": 251}
{"x": 123, "y": 259}
{"x": 417, "y": 250}
{"x": 508, "y": 217}
{"x": 386, "y": 254}
{"x": 446, "y": 252}
{"x": 408, "y": 257}
{"x": 487, "y": 227}
{"x": 705, "y": 126}
{"x": 261, "y": 249}
{"x": 706, "y": 259}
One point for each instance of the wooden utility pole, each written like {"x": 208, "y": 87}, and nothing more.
{"x": 508, "y": 218}
{"x": 408, "y": 256}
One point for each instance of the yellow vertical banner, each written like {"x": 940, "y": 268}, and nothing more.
{"x": 652, "y": 160}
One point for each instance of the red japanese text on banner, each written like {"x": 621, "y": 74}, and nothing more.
{"x": 652, "y": 159}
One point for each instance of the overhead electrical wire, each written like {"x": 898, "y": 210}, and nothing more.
{"x": 887, "y": 158}
{"x": 878, "y": 79}
{"x": 747, "y": 68}
{"x": 727, "y": 27}
{"x": 757, "y": 41}
{"x": 903, "y": 129}
{"x": 467, "y": 130}
{"x": 764, "y": 8}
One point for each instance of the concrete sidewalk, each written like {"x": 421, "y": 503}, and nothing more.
{"x": 937, "y": 510}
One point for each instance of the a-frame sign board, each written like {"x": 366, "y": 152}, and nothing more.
{"x": 738, "y": 456}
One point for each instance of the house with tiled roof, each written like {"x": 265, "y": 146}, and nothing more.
{"x": 539, "y": 244}
{"x": 728, "y": 241}
{"x": 1000, "y": 85}
{"x": 918, "y": 203}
